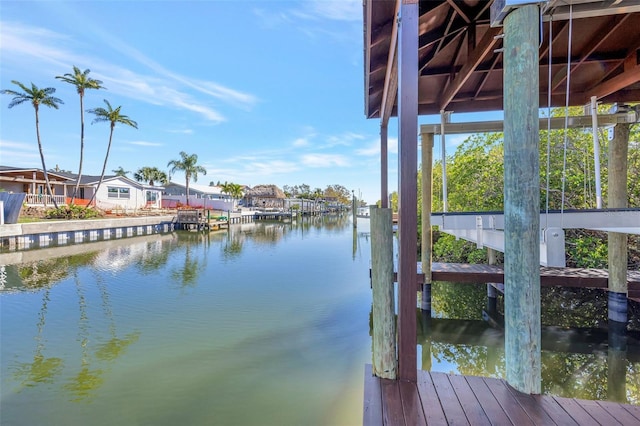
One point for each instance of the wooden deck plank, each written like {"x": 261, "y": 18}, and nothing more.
{"x": 392, "y": 414}
{"x": 430, "y": 403}
{"x": 450, "y": 404}
{"x": 619, "y": 413}
{"x": 634, "y": 410}
{"x": 596, "y": 411}
{"x": 411, "y": 404}
{"x": 576, "y": 411}
{"x": 535, "y": 411}
{"x": 443, "y": 399}
{"x": 470, "y": 404}
{"x": 491, "y": 406}
{"x": 554, "y": 410}
{"x": 372, "y": 414}
{"x": 508, "y": 402}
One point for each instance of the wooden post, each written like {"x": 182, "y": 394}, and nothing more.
{"x": 354, "y": 210}
{"x": 384, "y": 168}
{"x": 384, "y": 332}
{"x": 617, "y": 242}
{"x": 522, "y": 199}
{"x": 427, "y": 191}
{"x": 407, "y": 188}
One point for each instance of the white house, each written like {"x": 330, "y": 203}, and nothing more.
{"x": 114, "y": 192}
{"x": 200, "y": 196}
{"x": 120, "y": 192}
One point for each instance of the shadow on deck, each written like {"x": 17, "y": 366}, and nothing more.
{"x": 442, "y": 399}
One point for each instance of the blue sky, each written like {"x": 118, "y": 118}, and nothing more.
{"x": 264, "y": 92}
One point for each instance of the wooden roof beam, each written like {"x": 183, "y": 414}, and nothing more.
{"x": 457, "y": 8}
{"x": 475, "y": 58}
{"x": 599, "y": 37}
{"x": 390, "y": 89}
{"x": 629, "y": 76}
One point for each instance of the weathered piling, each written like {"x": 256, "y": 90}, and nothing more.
{"x": 522, "y": 199}
{"x": 617, "y": 242}
{"x": 427, "y": 192}
{"x": 384, "y": 330}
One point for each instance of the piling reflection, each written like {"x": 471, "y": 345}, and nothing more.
{"x": 42, "y": 369}
{"x": 580, "y": 358}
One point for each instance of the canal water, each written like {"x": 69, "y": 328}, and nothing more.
{"x": 264, "y": 324}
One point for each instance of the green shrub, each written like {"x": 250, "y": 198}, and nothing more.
{"x": 72, "y": 212}
{"x": 587, "y": 251}
{"x": 447, "y": 249}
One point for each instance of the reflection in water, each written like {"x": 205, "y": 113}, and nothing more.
{"x": 41, "y": 370}
{"x": 120, "y": 341}
{"x": 578, "y": 359}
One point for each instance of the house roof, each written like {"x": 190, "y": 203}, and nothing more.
{"x": 204, "y": 189}
{"x": 460, "y": 60}
{"x": 86, "y": 180}
{"x": 265, "y": 191}
{"x": 8, "y": 170}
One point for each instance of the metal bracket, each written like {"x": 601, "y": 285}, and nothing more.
{"x": 501, "y": 8}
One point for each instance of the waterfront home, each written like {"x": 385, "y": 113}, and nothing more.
{"x": 265, "y": 196}
{"x": 115, "y": 192}
{"x": 200, "y": 196}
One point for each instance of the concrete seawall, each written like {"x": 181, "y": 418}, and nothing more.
{"x": 23, "y": 236}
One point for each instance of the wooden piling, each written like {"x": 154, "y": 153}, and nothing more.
{"x": 426, "y": 140}
{"x": 384, "y": 167}
{"x": 522, "y": 199}
{"x": 354, "y": 211}
{"x": 617, "y": 242}
{"x": 384, "y": 330}
{"x": 407, "y": 188}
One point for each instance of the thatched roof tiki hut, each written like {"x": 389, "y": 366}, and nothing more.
{"x": 266, "y": 196}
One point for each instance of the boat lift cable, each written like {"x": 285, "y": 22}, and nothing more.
{"x": 546, "y": 223}
{"x": 566, "y": 108}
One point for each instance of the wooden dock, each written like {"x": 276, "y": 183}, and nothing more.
{"x": 200, "y": 220}
{"x": 443, "y": 399}
{"x": 275, "y": 215}
{"x": 549, "y": 276}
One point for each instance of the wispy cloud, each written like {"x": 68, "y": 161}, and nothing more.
{"x": 373, "y": 148}
{"x": 181, "y": 131}
{"x": 22, "y": 153}
{"x": 145, "y": 143}
{"x": 255, "y": 171}
{"x": 339, "y": 10}
{"x": 300, "y": 142}
{"x": 311, "y": 16}
{"x": 324, "y": 160}
{"x": 32, "y": 46}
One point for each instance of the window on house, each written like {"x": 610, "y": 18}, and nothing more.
{"x": 152, "y": 197}
{"x": 115, "y": 192}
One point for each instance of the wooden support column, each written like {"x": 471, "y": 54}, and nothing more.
{"x": 617, "y": 242}
{"x": 384, "y": 330}
{"x": 354, "y": 210}
{"x": 384, "y": 167}
{"x": 427, "y": 193}
{"x": 522, "y": 199}
{"x": 407, "y": 188}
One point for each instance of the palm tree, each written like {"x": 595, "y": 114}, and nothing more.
{"x": 189, "y": 167}
{"x": 82, "y": 81}
{"x": 36, "y": 97}
{"x": 232, "y": 189}
{"x": 151, "y": 175}
{"x": 120, "y": 171}
{"x": 113, "y": 116}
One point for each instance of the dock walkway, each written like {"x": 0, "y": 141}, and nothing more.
{"x": 549, "y": 276}
{"x": 442, "y": 399}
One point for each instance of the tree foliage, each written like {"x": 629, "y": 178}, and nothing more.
{"x": 475, "y": 180}
{"x": 151, "y": 175}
